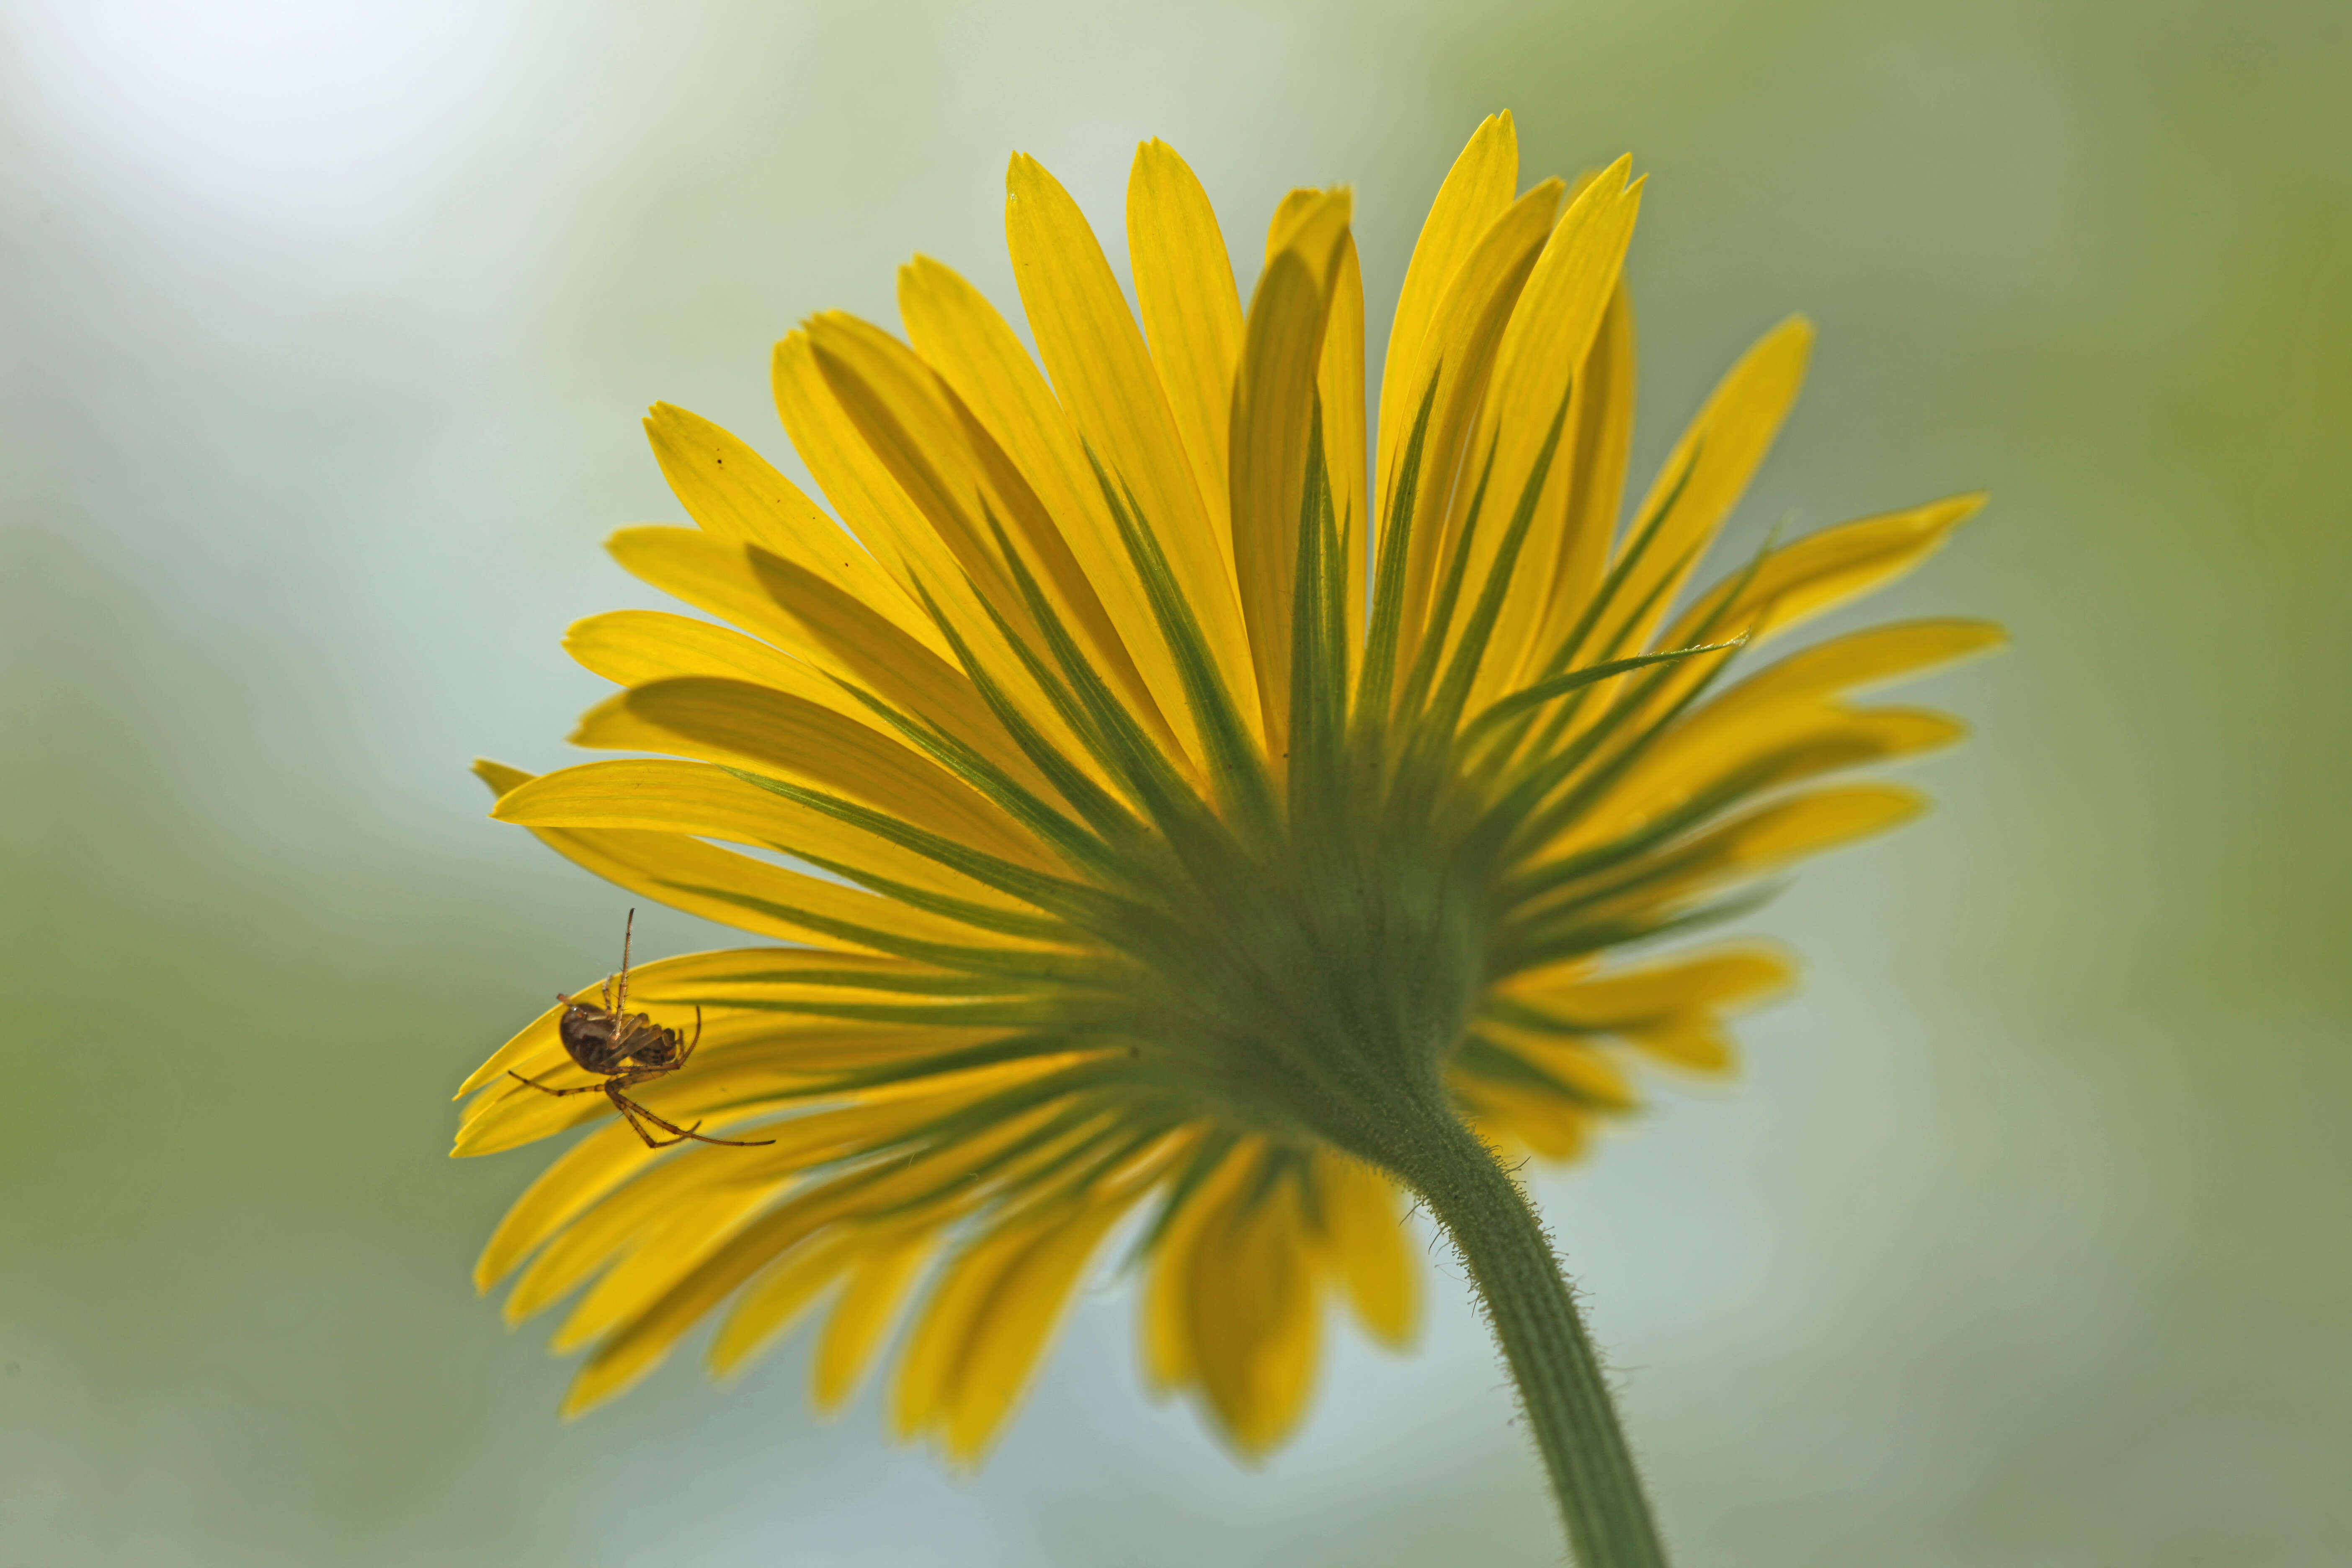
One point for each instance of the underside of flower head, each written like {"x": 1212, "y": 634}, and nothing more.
{"x": 1168, "y": 789}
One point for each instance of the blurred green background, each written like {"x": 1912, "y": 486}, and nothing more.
{"x": 326, "y": 327}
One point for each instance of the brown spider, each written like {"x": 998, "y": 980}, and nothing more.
{"x": 625, "y": 1049}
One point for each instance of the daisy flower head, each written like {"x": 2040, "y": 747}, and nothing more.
{"x": 1186, "y": 818}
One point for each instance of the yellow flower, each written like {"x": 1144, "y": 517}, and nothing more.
{"x": 1164, "y": 844}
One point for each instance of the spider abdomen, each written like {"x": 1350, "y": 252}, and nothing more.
{"x": 596, "y": 1039}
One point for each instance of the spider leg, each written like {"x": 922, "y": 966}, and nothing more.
{"x": 559, "y": 1093}
{"x": 627, "y": 931}
{"x": 693, "y": 1042}
{"x": 630, "y": 1110}
{"x": 682, "y": 1132}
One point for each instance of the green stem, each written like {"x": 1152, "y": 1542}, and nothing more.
{"x": 1535, "y": 1320}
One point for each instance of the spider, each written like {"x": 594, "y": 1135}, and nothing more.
{"x": 625, "y": 1049}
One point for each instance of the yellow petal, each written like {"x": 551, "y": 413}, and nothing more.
{"x": 1103, "y": 373}
{"x": 934, "y": 544}
{"x": 1476, "y": 191}
{"x": 653, "y": 1201}
{"x": 1699, "y": 1043}
{"x": 1717, "y": 454}
{"x": 1550, "y": 332}
{"x": 778, "y": 1295}
{"x": 1824, "y": 570}
{"x": 962, "y": 338}
{"x": 1459, "y": 355}
{"x": 1273, "y": 417}
{"x": 1008, "y": 1334}
{"x": 797, "y": 611}
{"x": 613, "y": 1154}
{"x": 1255, "y": 1328}
{"x": 1772, "y": 836}
{"x": 666, "y": 1246}
{"x": 942, "y": 1178}
{"x": 1547, "y": 1125}
{"x": 869, "y": 1304}
{"x": 966, "y": 488}
{"x": 1371, "y": 1246}
{"x": 705, "y": 802}
{"x": 1340, "y": 381}
{"x": 752, "y": 895}
{"x": 642, "y": 1343}
{"x": 664, "y": 982}
{"x": 1626, "y": 997}
{"x": 1759, "y": 752}
{"x": 1169, "y": 1361}
{"x": 1601, "y": 443}
{"x": 737, "y": 495}
{"x": 1858, "y": 659}
{"x": 777, "y": 735}
{"x": 1578, "y": 1067}
{"x": 636, "y": 647}
{"x": 929, "y": 1386}
{"x": 1191, "y": 312}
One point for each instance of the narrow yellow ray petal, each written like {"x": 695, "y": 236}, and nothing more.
{"x": 1191, "y": 312}
{"x": 1007, "y": 1334}
{"x": 966, "y": 488}
{"x": 1254, "y": 1324}
{"x": 1549, "y": 1125}
{"x": 1273, "y": 426}
{"x": 636, "y": 647}
{"x": 1547, "y": 342}
{"x": 939, "y": 1181}
{"x": 1706, "y": 473}
{"x": 1599, "y": 448}
{"x": 1696, "y": 1043}
{"x": 737, "y": 495}
{"x": 1460, "y": 353}
{"x": 1858, "y": 659}
{"x": 735, "y": 889}
{"x": 1624, "y": 998}
{"x": 868, "y": 1305}
{"x": 1476, "y": 193}
{"x": 621, "y": 1220}
{"x": 779, "y": 1295}
{"x": 1805, "y": 579}
{"x": 765, "y": 1042}
{"x": 586, "y": 1172}
{"x": 777, "y": 735}
{"x": 1800, "y": 746}
{"x": 644, "y": 1342}
{"x": 1807, "y": 735}
{"x": 956, "y": 567}
{"x": 509, "y": 1115}
{"x": 665, "y": 980}
{"x": 599, "y": 1162}
{"x": 1821, "y": 571}
{"x": 799, "y": 612}
{"x": 924, "y": 1389}
{"x": 1371, "y": 1246}
{"x": 1579, "y": 1066}
{"x": 921, "y": 1393}
{"x": 1169, "y": 1362}
{"x": 1770, "y": 836}
{"x": 665, "y": 1248}
{"x": 705, "y": 802}
{"x": 960, "y": 336}
{"x": 1102, "y": 371}
{"x": 1340, "y": 381}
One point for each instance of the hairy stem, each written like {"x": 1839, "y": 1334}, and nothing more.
{"x": 1535, "y": 1320}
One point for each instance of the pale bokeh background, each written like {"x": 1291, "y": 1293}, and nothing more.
{"x": 326, "y": 327}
